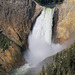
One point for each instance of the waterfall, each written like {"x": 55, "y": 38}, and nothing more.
{"x": 40, "y": 44}
{"x": 43, "y": 25}
{"x": 40, "y": 37}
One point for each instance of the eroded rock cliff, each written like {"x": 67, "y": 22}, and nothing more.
{"x": 11, "y": 58}
{"x": 65, "y": 20}
{"x": 16, "y": 17}
{"x": 10, "y": 55}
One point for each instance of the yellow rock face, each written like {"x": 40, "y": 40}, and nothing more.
{"x": 11, "y": 58}
{"x": 66, "y": 21}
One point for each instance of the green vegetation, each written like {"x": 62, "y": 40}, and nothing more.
{"x": 49, "y": 1}
{"x": 64, "y": 63}
{"x": 2, "y": 71}
{"x": 4, "y": 42}
{"x": 43, "y": 70}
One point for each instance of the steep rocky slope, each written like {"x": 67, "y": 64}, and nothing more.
{"x": 16, "y": 19}
{"x": 65, "y": 20}
{"x": 10, "y": 55}
{"x": 11, "y": 58}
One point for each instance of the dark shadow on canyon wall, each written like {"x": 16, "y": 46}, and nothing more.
{"x": 49, "y": 2}
{"x": 33, "y": 23}
{"x": 55, "y": 20}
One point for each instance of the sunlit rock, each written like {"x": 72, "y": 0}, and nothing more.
{"x": 65, "y": 25}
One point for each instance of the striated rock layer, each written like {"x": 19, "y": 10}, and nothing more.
{"x": 11, "y": 58}
{"x": 10, "y": 55}
{"x": 16, "y": 17}
{"x": 64, "y": 20}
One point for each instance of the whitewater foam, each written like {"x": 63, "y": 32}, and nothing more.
{"x": 43, "y": 26}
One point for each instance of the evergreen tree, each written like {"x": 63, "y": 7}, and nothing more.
{"x": 49, "y": 69}
{"x": 40, "y": 74}
{"x": 64, "y": 73}
{"x": 43, "y": 70}
{"x": 58, "y": 72}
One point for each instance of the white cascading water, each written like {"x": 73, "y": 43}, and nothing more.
{"x": 40, "y": 39}
{"x": 43, "y": 25}
{"x": 40, "y": 46}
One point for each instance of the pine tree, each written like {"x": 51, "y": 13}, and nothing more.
{"x": 64, "y": 73}
{"x": 40, "y": 73}
{"x": 58, "y": 72}
{"x": 47, "y": 70}
{"x": 70, "y": 73}
{"x": 43, "y": 70}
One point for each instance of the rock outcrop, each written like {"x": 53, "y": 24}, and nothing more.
{"x": 65, "y": 20}
{"x": 11, "y": 58}
{"x": 16, "y": 17}
{"x": 10, "y": 55}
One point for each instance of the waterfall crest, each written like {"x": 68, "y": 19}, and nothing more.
{"x": 43, "y": 25}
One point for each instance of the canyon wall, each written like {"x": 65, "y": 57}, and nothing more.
{"x": 16, "y": 19}
{"x": 64, "y": 20}
{"x": 11, "y": 58}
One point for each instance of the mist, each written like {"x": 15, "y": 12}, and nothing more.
{"x": 39, "y": 49}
